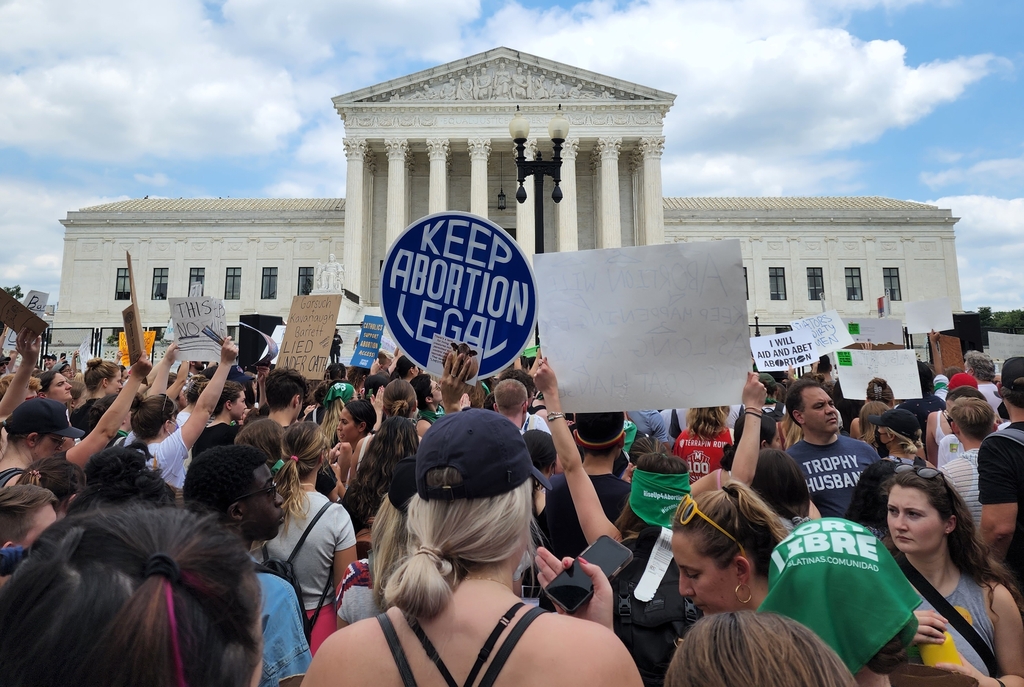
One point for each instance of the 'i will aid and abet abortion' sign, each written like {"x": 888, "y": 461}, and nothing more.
{"x": 457, "y": 276}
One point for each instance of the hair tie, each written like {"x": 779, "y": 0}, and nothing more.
{"x": 295, "y": 458}
{"x": 277, "y": 466}
{"x": 429, "y": 551}
{"x": 162, "y": 564}
{"x": 34, "y": 473}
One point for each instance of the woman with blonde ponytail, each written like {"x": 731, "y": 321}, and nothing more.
{"x": 330, "y": 543}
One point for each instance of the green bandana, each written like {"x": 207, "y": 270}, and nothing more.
{"x": 342, "y": 390}
{"x": 654, "y": 496}
{"x": 431, "y": 416}
{"x": 630, "y": 429}
{"x": 836, "y": 578}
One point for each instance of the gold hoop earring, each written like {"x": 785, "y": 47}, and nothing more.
{"x": 737, "y": 593}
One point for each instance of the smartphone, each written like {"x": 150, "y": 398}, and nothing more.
{"x": 572, "y": 588}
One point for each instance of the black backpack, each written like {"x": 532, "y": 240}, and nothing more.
{"x": 650, "y": 630}
{"x": 286, "y": 571}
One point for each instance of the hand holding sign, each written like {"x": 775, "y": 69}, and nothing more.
{"x": 28, "y": 344}
{"x": 459, "y": 366}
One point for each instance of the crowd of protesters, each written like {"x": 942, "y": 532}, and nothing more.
{"x": 212, "y": 526}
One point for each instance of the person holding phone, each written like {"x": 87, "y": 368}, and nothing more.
{"x": 469, "y": 529}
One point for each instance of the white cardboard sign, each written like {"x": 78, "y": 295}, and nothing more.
{"x": 898, "y": 368}
{"x": 645, "y": 327}
{"x": 924, "y": 316}
{"x": 828, "y": 330}
{"x": 1002, "y": 346}
{"x": 875, "y": 330}
{"x": 190, "y": 316}
{"x": 783, "y": 351}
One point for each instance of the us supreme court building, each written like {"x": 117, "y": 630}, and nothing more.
{"x": 438, "y": 140}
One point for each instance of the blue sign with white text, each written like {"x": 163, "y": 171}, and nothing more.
{"x": 368, "y": 343}
{"x": 461, "y": 277}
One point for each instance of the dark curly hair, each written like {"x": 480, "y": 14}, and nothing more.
{"x": 395, "y": 440}
{"x": 219, "y": 475}
{"x": 120, "y": 476}
{"x": 869, "y": 503}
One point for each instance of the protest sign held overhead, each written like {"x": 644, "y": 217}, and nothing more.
{"x": 875, "y": 330}
{"x": 647, "y": 326}
{"x": 783, "y": 351}
{"x": 464, "y": 278}
{"x": 829, "y": 331}
{"x": 123, "y": 350}
{"x": 924, "y": 316}
{"x": 371, "y": 334}
{"x": 16, "y": 316}
{"x": 1002, "y": 346}
{"x": 897, "y": 367}
{"x": 190, "y": 316}
{"x": 35, "y": 302}
{"x": 307, "y": 339}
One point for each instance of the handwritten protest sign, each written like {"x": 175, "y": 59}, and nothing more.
{"x": 190, "y": 316}
{"x": 84, "y": 353}
{"x": 148, "y": 339}
{"x": 131, "y": 318}
{"x": 368, "y": 343}
{"x": 17, "y": 316}
{"x": 783, "y": 351}
{"x": 828, "y": 330}
{"x": 924, "y": 316}
{"x": 307, "y": 339}
{"x": 35, "y": 301}
{"x": 898, "y": 368}
{"x": 875, "y": 330}
{"x": 1002, "y": 346}
{"x": 645, "y": 327}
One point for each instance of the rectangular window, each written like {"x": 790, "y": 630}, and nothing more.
{"x": 233, "y": 284}
{"x": 269, "y": 289}
{"x": 305, "y": 281}
{"x": 160, "y": 283}
{"x": 891, "y": 282}
{"x": 815, "y": 284}
{"x": 122, "y": 289}
{"x": 777, "y": 283}
{"x": 853, "y": 290}
{"x": 196, "y": 275}
{"x": 746, "y": 284}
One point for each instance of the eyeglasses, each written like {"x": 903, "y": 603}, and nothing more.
{"x": 269, "y": 491}
{"x": 688, "y": 508}
{"x": 57, "y": 438}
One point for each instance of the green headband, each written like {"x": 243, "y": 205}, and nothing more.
{"x": 342, "y": 390}
{"x": 654, "y": 496}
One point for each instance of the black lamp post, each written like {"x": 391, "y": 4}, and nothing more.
{"x": 558, "y": 129}
{"x": 501, "y": 188}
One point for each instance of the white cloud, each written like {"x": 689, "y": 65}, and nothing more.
{"x": 994, "y": 173}
{"x": 989, "y": 250}
{"x": 732, "y": 174}
{"x": 158, "y": 179}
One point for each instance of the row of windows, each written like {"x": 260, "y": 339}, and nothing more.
{"x": 197, "y": 275}
{"x": 816, "y": 283}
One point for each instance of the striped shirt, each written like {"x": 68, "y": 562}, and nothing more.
{"x": 963, "y": 473}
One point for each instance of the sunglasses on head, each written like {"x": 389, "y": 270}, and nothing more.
{"x": 688, "y": 508}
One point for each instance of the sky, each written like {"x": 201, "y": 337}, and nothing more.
{"x": 911, "y": 99}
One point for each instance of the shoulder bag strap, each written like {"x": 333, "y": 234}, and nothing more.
{"x": 396, "y": 650}
{"x": 952, "y": 615}
{"x": 1014, "y": 435}
{"x": 508, "y": 645}
{"x": 309, "y": 528}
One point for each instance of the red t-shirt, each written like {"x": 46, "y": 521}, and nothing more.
{"x": 702, "y": 456}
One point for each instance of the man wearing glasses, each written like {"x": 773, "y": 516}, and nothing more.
{"x": 234, "y": 482}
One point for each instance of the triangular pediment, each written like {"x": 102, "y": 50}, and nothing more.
{"x": 502, "y": 75}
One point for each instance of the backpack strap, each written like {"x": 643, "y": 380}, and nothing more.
{"x": 9, "y": 474}
{"x": 397, "y": 652}
{"x": 309, "y": 528}
{"x": 1011, "y": 433}
{"x": 508, "y": 645}
{"x": 943, "y": 607}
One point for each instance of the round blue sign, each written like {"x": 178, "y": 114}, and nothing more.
{"x": 453, "y": 276}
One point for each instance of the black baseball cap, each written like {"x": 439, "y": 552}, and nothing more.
{"x": 403, "y": 483}
{"x": 898, "y": 420}
{"x": 43, "y": 416}
{"x": 4, "y": 359}
{"x": 237, "y": 374}
{"x": 1012, "y": 374}
{"x": 484, "y": 447}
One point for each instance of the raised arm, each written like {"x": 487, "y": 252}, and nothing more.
{"x": 110, "y": 422}
{"x": 933, "y": 344}
{"x": 27, "y": 345}
{"x": 591, "y": 515}
{"x": 161, "y": 370}
{"x": 744, "y": 462}
{"x": 458, "y": 367}
{"x": 196, "y": 422}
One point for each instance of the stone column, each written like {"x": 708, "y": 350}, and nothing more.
{"x": 611, "y": 223}
{"x": 636, "y": 173}
{"x": 654, "y": 208}
{"x": 397, "y": 149}
{"x": 437, "y": 151}
{"x": 568, "y": 233}
{"x": 525, "y": 227}
{"x": 479, "y": 151}
{"x": 355, "y": 151}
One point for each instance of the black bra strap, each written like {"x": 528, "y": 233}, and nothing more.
{"x": 396, "y": 650}
{"x": 508, "y": 645}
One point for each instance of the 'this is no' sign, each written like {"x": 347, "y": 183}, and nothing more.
{"x": 462, "y": 277}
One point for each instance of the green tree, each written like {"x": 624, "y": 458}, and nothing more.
{"x": 14, "y": 291}
{"x": 985, "y": 316}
